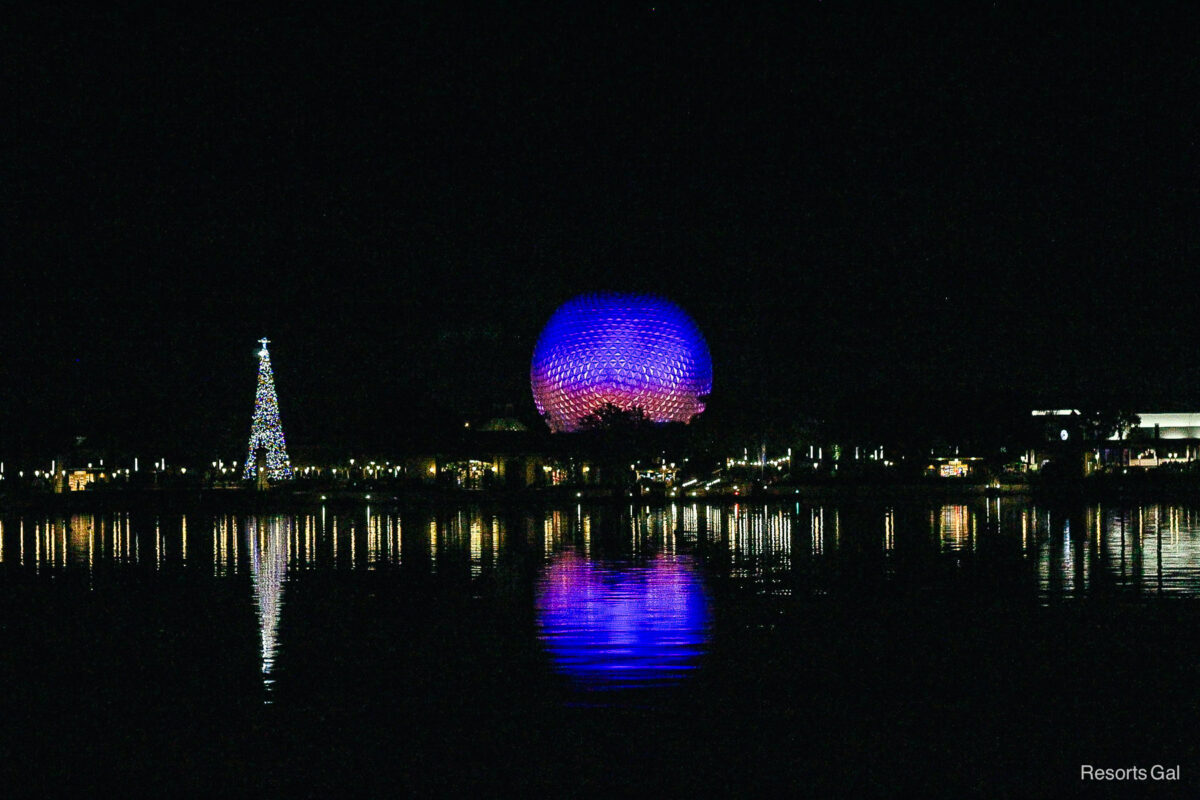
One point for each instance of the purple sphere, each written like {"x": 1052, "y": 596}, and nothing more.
{"x": 625, "y": 349}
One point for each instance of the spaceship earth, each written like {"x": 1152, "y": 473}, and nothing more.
{"x": 625, "y": 349}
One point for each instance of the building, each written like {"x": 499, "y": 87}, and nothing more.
{"x": 1158, "y": 439}
{"x": 500, "y": 453}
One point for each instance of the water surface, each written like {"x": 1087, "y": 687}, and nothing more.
{"x": 485, "y": 620}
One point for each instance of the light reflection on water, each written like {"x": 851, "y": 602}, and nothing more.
{"x": 626, "y": 591}
{"x": 268, "y": 542}
{"x": 615, "y": 625}
{"x": 1149, "y": 548}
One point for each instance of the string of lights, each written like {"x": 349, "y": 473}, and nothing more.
{"x": 266, "y": 430}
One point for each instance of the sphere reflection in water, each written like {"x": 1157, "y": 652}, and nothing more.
{"x": 613, "y": 626}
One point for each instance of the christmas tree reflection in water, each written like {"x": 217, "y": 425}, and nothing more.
{"x": 620, "y": 625}
{"x": 268, "y": 545}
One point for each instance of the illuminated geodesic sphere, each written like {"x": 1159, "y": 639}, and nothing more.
{"x": 628, "y": 350}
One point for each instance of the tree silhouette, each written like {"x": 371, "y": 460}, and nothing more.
{"x": 1102, "y": 423}
{"x": 611, "y": 417}
{"x": 614, "y": 438}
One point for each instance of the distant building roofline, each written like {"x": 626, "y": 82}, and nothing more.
{"x": 1169, "y": 425}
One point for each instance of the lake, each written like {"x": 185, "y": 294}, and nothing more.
{"x": 986, "y": 647}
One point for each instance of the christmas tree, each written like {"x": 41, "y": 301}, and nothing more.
{"x": 265, "y": 430}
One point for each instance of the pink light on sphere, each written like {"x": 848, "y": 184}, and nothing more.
{"x": 624, "y": 349}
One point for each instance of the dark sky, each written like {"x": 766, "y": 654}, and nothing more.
{"x": 859, "y": 209}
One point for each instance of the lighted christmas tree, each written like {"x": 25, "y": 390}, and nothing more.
{"x": 265, "y": 430}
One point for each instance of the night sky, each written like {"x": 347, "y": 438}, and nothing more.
{"x": 938, "y": 211}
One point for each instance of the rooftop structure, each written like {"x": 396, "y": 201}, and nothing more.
{"x": 1159, "y": 425}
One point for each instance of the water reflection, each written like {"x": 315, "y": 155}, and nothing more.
{"x": 955, "y": 528}
{"x": 268, "y": 542}
{"x": 1135, "y": 550}
{"x": 1145, "y": 550}
{"x": 619, "y": 625}
{"x": 618, "y": 591}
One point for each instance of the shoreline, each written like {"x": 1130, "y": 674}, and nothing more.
{"x": 287, "y": 498}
